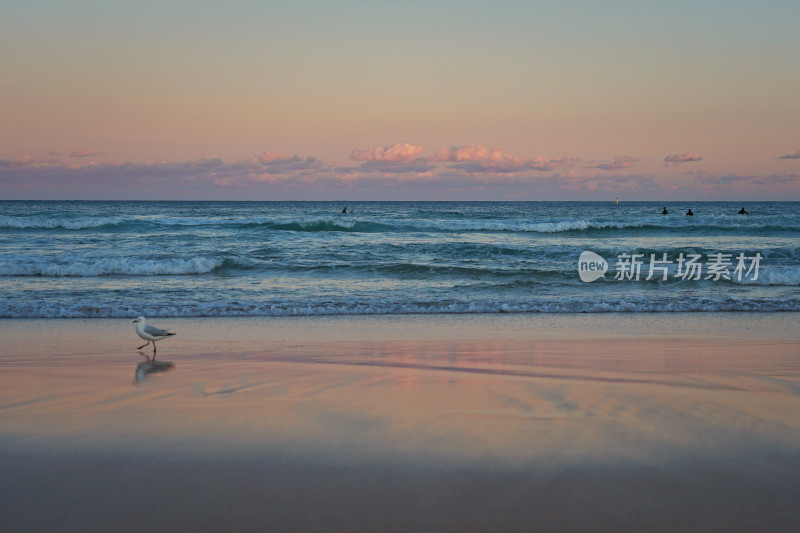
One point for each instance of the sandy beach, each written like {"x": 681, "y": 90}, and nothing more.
{"x": 615, "y": 422}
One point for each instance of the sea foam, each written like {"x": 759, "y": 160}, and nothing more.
{"x": 110, "y": 267}
{"x": 10, "y": 309}
{"x": 55, "y": 223}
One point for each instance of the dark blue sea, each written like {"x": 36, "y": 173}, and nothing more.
{"x": 167, "y": 259}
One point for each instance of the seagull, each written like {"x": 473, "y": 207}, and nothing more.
{"x": 150, "y": 334}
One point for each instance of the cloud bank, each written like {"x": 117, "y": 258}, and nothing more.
{"x": 795, "y": 155}
{"x": 398, "y": 171}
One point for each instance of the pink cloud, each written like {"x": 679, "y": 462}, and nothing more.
{"x": 497, "y": 161}
{"x": 683, "y": 158}
{"x": 396, "y": 152}
{"x": 618, "y": 163}
{"x": 476, "y": 152}
{"x": 795, "y": 155}
{"x": 475, "y": 158}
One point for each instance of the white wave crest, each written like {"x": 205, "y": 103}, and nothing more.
{"x": 558, "y": 227}
{"x": 111, "y": 267}
{"x": 773, "y": 276}
{"x": 188, "y": 221}
{"x": 324, "y": 222}
{"x": 54, "y": 223}
{"x": 538, "y": 227}
{"x": 11, "y": 309}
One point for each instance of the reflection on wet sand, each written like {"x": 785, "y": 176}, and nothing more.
{"x": 146, "y": 368}
{"x": 631, "y": 433}
{"x": 509, "y": 400}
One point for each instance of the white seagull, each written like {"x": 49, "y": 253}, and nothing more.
{"x": 150, "y": 334}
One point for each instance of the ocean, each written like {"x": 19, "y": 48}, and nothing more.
{"x": 176, "y": 259}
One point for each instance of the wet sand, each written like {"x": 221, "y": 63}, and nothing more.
{"x": 471, "y": 423}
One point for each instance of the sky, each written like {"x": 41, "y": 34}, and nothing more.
{"x": 355, "y": 100}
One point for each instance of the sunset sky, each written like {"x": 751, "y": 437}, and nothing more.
{"x": 311, "y": 100}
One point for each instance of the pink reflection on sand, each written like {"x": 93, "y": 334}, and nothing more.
{"x": 511, "y": 400}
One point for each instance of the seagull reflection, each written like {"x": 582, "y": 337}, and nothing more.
{"x": 148, "y": 367}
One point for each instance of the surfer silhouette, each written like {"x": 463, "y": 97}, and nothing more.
{"x": 664, "y": 211}
{"x": 689, "y": 213}
{"x": 743, "y": 212}
{"x": 344, "y": 210}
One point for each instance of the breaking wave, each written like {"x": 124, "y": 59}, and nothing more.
{"x": 774, "y": 276}
{"x": 56, "y": 223}
{"x": 111, "y": 267}
{"x": 367, "y": 224}
{"x": 282, "y": 309}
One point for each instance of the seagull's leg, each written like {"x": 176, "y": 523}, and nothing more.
{"x": 143, "y": 345}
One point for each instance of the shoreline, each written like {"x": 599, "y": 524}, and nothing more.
{"x": 535, "y": 325}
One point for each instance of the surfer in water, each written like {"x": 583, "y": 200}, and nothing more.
{"x": 664, "y": 211}
{"x": 344, "y": 210}
{"x": 689, "y": 213}
{"x": 743, "y": 212}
